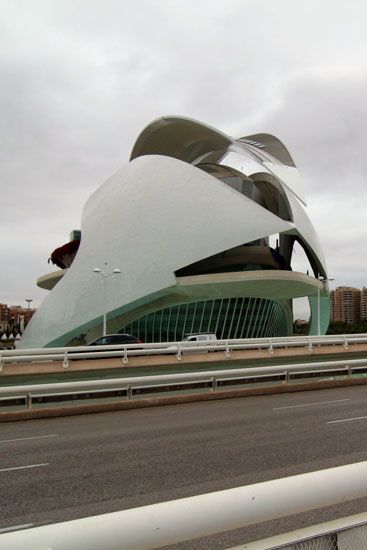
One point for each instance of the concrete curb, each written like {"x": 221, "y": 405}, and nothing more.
{"x": 175, "y": 400}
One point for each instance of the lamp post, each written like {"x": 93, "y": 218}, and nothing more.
{"x": 322, "y": 280}
{"x": 27, "y": 317}
{"x": 105, "y": 276}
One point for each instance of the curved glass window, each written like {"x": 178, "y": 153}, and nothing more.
{"x": 226, "y": 318}
{"x": 248, "y": 257}
{"x": 262, "y": 188}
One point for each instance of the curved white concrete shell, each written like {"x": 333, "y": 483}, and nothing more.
{"x": 189, "y": 197}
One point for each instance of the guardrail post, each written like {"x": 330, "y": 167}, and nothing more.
{"x": 129, "y": 391}
{"x": 345, "y": 342}
{"x": 1, "y": 362}
{"x": 28, "y": 401}
{"x": 349, "y": 371}
{"x": 179, "y": 354}
{"x": 125, "y": 358}
{"x": 66, "y": 361}
{"x": 310, "y": 346}
{"x": 227, "y": 351}
{"x": 286, "y": 377}
{"x": 271, "y": 350}
{"x": 214, "y": 383}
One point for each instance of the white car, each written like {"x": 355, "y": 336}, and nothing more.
{"x": 200, "y": 338}
{"x": 194, "y": 340}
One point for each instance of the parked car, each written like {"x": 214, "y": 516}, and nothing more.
{"x": 111, "y": 339}
{"x": 108, "y": 340}
{"x": 200, "y": 337}
{"x": 196, "y": 340}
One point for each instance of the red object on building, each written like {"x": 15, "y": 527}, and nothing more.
{"x": 64, "y": 256}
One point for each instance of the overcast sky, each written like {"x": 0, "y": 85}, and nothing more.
{"x": 81, "y": 78}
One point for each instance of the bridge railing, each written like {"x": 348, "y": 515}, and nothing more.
{"x": 212, "y": 380}
{"x": 348, "y": 533}
{"x": 158, "y": 525}
{"x": 67, "y": 354}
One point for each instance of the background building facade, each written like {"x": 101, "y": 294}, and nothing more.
{"x": 348, "y": 304}
{"x": 364, "y": 304}
{"x": 14, "y": 319}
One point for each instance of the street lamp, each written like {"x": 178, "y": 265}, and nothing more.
{"x": 26, "y": 317}
{"x": 322, "y": 280}
{"x": 105, "y": 276}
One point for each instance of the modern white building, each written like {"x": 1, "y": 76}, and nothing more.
{"x": 202, "y": 227}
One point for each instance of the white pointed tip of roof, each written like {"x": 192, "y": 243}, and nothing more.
{"x": 178, "y": 137}
{"x": 187, "y": 139}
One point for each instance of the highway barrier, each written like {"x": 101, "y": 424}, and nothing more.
{"x": 68, "y": 354}
{"x": 158, "y": 525}
{"x": 213, "y": 381}
{"x": 348, "y": 533}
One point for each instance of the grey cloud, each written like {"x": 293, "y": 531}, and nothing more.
{"x": 81, "y": 79}
{"x": 323, "y": 118}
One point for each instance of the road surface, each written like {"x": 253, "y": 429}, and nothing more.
{"x": 58, "y": 469}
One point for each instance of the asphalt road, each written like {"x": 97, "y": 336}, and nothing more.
{"x": 59, "y": 469}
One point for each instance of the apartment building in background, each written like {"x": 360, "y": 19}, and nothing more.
{"x": 364, "y": 304}
{"x": 348, "y": 304}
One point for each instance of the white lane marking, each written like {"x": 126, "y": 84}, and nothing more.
{"x": 22, "y": 467}
{"x": 27, "y": 438}
{"x": 346, "y": 420}
{"x": 16, "y": 527}
{"x": 310, "y": 404}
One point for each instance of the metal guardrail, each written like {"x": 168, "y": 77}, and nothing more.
{"x": 349, "y": 533}
{"x": 158, "y": 525}
{"x": 214, "y": 380}
{"x": 68, "y": 354}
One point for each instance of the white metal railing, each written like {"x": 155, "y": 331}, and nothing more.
{"x": 68, "y": 354}
{"x": 165, "y": 523}
{"x": 348, "y": 533}
{"x": 213, "y": 380}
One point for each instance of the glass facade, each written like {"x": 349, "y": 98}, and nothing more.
{"x": 227, "y": 318}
